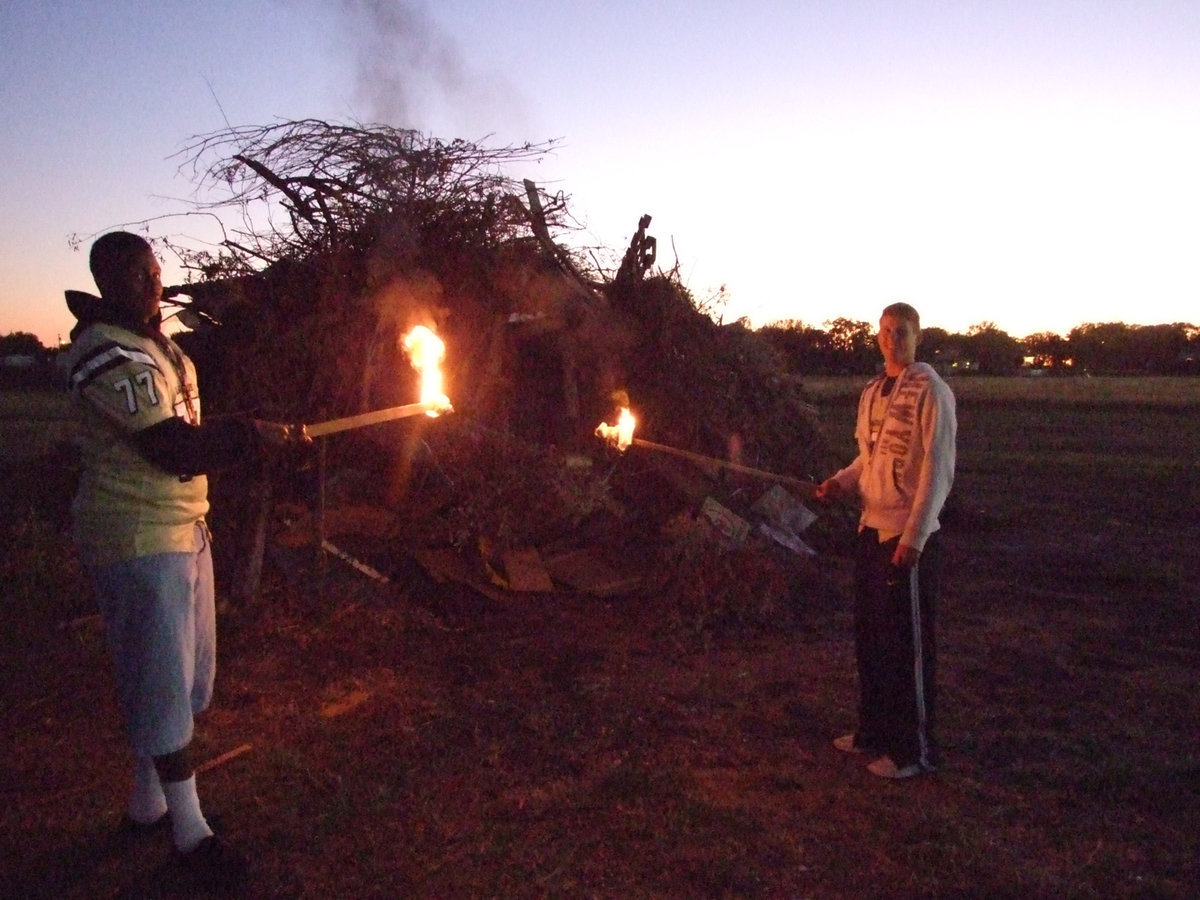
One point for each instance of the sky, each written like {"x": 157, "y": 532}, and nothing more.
{"x": 1028, "y": 163}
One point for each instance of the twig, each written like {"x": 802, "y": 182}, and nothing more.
{"x": 355, "y": 564}
{"x": 222, "y": 759}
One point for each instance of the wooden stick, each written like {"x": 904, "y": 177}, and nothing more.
{"x": 222, "y": 759}
{"x": 59, "y": 796}
{"x": 807, "y": 488}
{"x": 356, "y": 564}
{"x": 372, "y": 418}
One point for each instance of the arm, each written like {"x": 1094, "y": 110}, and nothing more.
{"x": 125, "y": 381}
{"x": 938, "y": 431}
{"x": 842, "y": 484}
{"x": 177, "y": 447}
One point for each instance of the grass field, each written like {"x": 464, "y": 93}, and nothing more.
{"x": 32, "y": 423}
{"x": 1102, "y": 391}
{"x": 420, "y": 741}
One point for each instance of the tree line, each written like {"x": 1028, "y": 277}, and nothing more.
{"x": 24, "y": 362}
{"x": 847, "y": 347}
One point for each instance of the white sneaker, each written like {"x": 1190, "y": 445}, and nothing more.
{"x": 885, "y": 768}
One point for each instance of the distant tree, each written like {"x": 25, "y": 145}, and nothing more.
{"x": 807, "y": 350}
{"x": 1103, "y": 348}
{"x": 1161, "y": 349}
{"x": 997, "y": 352}
{"x": 32, "y": 367}
{"x": 1115, "y": 348}
{"x": 937, "y": 347}
{"x": 853, "y": 345}
{"x": 1047, "y": 350}
{"x": 21, "y": 343}
{"x": 1190, "y": 362}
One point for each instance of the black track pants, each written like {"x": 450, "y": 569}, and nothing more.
{"x": 896, "y": 650}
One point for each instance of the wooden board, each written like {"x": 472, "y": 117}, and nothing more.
{"x": 525, "y": 571}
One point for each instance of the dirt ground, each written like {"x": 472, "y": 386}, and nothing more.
{"x": 418, "y": 739}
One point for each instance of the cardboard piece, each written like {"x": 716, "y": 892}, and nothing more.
{"x": 585, "y": 571}
{"x": 780, "y": 509}
{"x": 732, "y": 526}
{"x": 525, "y": 571}
{"x": 784, "y": 519}
{"x": 786, "y": 539}
{"x": 448, "y": 565}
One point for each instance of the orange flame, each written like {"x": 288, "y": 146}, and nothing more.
{"x": 621, "y": 434}
{"x": 425, "y": 351}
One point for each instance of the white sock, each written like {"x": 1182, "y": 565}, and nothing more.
{"x": 188, "y": 825}
{"x": 146, "y": 800}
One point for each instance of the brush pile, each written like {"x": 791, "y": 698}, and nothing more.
{"x": 511, "y": 491}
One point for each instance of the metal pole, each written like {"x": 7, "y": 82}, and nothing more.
{"x": 320, "y": 560}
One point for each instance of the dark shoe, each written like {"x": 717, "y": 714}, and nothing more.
{"x": 214, "y": 864}
{"x": 132, "y": 828}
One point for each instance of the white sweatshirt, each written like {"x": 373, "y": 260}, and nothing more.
{"x": 903, "y": 475}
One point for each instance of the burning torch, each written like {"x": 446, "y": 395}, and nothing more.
{"x": 425, "y": 351}
{"x": 621, "y": 437}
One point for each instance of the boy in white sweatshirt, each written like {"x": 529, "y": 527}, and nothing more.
{"x": 901, "y": 478}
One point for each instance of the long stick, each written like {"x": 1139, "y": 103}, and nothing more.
{"x": 222, "y": 759}
{"x": 371, "y": 418}
{"x": 808, "y": 488}
{"x": 353, "y": 563}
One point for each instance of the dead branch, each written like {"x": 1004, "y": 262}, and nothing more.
{"x": 341, "y": 183}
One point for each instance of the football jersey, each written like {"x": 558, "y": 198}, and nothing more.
{"x": 121, "y": 383}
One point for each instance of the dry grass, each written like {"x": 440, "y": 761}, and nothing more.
{"x": 1177, "y": 393}
{"x": 32, "y": 423}
{"x": 419, "y": 740}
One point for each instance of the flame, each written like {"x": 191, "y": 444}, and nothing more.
{"x": 425, "y": 351}
{"x": 621, "y": 434}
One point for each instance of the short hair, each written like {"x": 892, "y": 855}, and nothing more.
{"x": 111, "y": 255}
{"x": 903, "y": 311}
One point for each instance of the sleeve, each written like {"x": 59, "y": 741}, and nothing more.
{"x": 183, "y": 449}
{"x": 130, "y": 388}
{"x": 125, "y": 384}
{"x": 938, "y": 432}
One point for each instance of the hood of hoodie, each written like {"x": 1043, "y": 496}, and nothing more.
{"x": 88, "y": 309}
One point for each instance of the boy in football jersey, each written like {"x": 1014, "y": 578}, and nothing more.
{"x": 139, "y": 525}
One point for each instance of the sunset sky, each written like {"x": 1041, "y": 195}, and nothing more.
{"x": 1027, "y": 162}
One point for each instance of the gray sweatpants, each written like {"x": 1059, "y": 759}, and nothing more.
{"x": 159, "y": 613}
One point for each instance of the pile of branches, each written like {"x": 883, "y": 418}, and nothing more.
{"x": 351, "y": 235}
{"x": 350, "y": 188}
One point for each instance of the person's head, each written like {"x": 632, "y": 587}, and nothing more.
{"x": 899, "y": 334}
{"x": 128, "y": 274}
